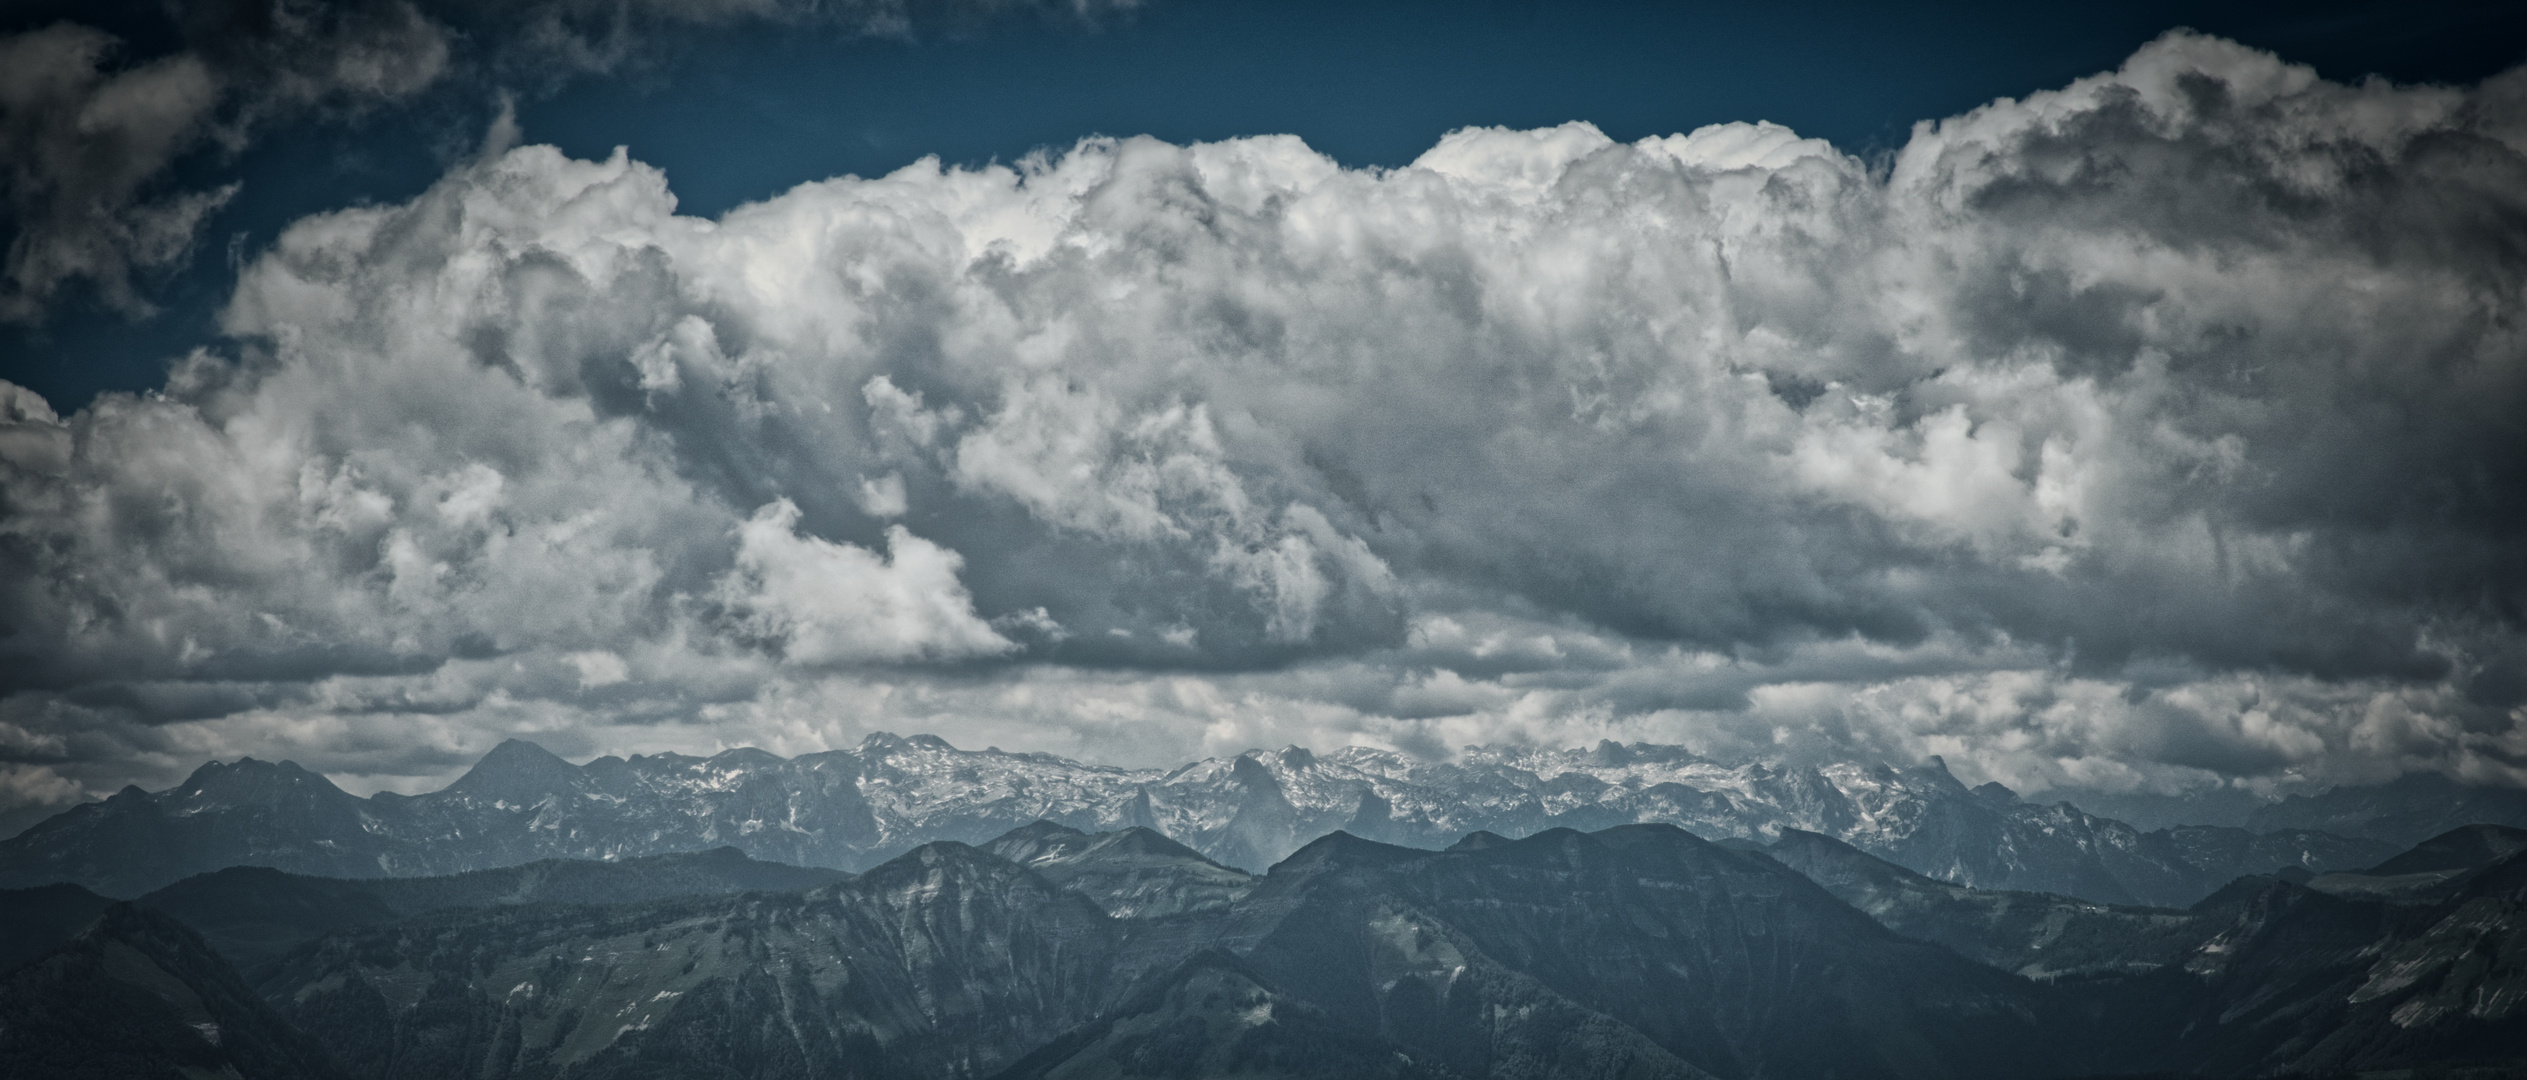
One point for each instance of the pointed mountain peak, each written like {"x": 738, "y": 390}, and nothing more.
{"x": 1929, "y": 777}
{"x": 518, "y": 754}
{"x": 210, "y": 772}
{"x": 943, "y": 862}
{"x": 517, "y": 771}
{"x": 1341, "y": 849}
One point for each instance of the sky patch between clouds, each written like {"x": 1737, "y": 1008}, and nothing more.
{"x": 91, "y": 143}
{"x": 2160, "y": 431}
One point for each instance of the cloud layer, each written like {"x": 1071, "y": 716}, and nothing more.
{"x": 2160, "y": 431}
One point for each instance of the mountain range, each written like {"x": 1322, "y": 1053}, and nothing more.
{"x": 909, "y": 909}
{"x": 852, "y": 810}
{"x": 1633, "y": 951}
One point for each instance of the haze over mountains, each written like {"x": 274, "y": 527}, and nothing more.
{"x": 853, "y": 809}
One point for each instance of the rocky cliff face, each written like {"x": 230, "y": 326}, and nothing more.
{"x": 853, "y": 809}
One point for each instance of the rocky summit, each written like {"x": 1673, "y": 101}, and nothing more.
{"x": 853, "y": 809}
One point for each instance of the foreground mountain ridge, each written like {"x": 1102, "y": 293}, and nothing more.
{"x": 850, "y": 810}
{"x": 1637, "y": 951}
{"x": 953, "y": 961}
{"x": 1633, "y": 951}
{"x": 139, "y": 996}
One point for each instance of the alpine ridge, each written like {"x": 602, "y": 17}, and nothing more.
{"x": 1634, "y": 951}
{"x": 852, "y": 809}
{"x": 1638, "y": 951}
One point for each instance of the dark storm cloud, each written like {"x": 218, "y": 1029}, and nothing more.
{"x": 91, "y": 135}
{"x": 2158, "y": 431}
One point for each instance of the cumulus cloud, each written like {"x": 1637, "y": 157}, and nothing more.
{"x": 828, "y": 603}
{"x": 2156, "y": 432}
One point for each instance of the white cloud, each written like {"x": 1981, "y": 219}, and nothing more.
{"x": 829, "y": 603}
{"x": 884, "y": 496}
{"x": 598, "y": 668}
{"x": 2152, "y": 430}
